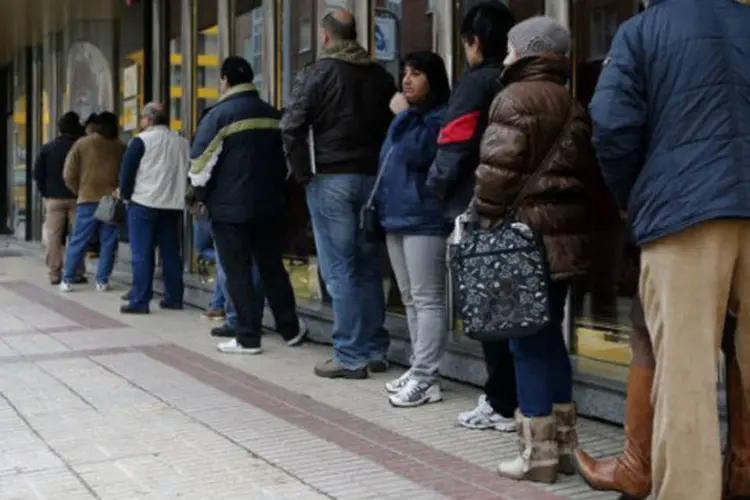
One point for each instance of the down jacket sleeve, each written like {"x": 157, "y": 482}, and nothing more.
{"x": 619, "y": 114}
{"x": 503, "y": 159}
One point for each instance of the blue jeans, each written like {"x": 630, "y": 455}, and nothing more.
{"x": 204, "y": 247}
{"x": 85, "y": 227}
{"x": 543, "y": 373}
{"x": 149, "y": 228}
{"x": 350, "y": 266}
{"x": 221, "y": 287}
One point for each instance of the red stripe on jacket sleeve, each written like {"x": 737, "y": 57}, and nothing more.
{"x": 461, "y": 129}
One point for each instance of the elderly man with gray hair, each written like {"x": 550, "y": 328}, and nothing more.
{"x": 153, "y": 183}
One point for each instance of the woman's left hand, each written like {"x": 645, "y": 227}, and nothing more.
{"x": 399, "y": 103}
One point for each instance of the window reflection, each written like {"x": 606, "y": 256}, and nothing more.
{"x": 250, "y": 36}
{"x": 601, "y": 306}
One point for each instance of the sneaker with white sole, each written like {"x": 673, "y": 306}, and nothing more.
{"x": 393, "y": 386}
{"x": 66, "y": 287}
{"x": 484, "y": 417}
{"x": 416, "y": 393}
{"x": 102, "y": 287}
{"x": 304, "y": 330}
{"x": 234, "y": 347}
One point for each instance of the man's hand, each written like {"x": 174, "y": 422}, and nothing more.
{"x": 399, "y": 103}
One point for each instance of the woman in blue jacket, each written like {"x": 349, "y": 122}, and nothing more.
{"x": 415, "y": 228}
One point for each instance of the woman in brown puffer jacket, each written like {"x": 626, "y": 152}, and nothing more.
{"x": 536, "y": 126}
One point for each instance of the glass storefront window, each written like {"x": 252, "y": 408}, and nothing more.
{"x": 601, "y": 306}
{"x": 131, "y": 71}
{"x": 19, "y": 136}
{"x": 250, "y": 42}
{"x": 207, "y": 69}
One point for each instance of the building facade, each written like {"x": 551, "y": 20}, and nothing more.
{"x": 116, "y": 55}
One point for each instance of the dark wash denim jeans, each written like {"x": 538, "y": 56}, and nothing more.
{"x": 350, "y": 267}
{"x": 543, "y": 373}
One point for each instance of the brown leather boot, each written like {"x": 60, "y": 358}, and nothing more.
{"x": 630, "y": 473}
{"x": 737, "y": 460}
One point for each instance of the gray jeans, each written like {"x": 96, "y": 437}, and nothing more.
{"x": 418, "y": 262}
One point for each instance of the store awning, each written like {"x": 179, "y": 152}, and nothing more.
{"x": 26, "y": 22}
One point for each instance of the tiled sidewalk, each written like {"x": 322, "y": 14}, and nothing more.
{"x": 96, "y": 405}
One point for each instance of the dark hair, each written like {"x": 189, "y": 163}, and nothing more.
{"x": 488, "y": 22}
{"x": 237, "y": 71}
{"x": 70, "y": 124}
{"x": 433, "y": 66}
{"x": 93, "y": 119}
{"x": 108, "y": 126}
{"x": 339, "y": 30}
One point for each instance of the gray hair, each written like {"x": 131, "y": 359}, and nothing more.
{"x": 155, "y": 113}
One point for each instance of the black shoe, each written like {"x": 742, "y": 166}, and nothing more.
{"x": 170, "y": 307}
{"x": 378, "y": 366}
{"x": 331, "y": 369}
{"x": 128, "y": 309}
{"x": 81, "y": 280}
{"x": 223, "y": 331}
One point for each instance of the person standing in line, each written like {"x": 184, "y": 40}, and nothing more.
{"x": 238, "y": 172}
{"x": 484, "y": 32}
{"x": 342, "y": 101}
{"x": 415, "y": 228}
{"x": 204, "y": 246}
{"x": 152, "y": 183}
{"x": 91, "y": 171}
{"x": 671, "y": 115}
{"x": 59, "y": 201}
{"x": 538, "y": 146}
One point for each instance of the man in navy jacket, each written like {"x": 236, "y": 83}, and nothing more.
{"x": 672, "y": 132}
{"x": 238, "y": 170}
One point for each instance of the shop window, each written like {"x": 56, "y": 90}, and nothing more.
{"x": 305, "y": 36}
{"x": 600, "y": 306}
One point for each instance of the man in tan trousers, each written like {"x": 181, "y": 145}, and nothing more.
{"x": 671, "y": 120}
{"x": 59, "y": 201}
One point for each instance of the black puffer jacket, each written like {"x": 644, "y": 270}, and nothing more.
{"x": 344, "y": 97}
{"x": 48, "y": 169}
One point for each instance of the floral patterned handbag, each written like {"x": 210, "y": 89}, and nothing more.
{"x": 501, "y": 276}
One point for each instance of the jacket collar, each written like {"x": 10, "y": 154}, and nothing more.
{"x": 545, "y": 67}
{"x": 348, "y": 51}
{"x": 238, "y": 89}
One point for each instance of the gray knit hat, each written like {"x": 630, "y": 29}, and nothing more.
{"x": 539, "y": 35}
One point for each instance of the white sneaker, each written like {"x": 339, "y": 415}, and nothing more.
{"x": 484, "y": 417}
{"x": 234, "y": 347}
{"x": 416, "y": 393}
{"x": 66, "y": 287}
{"x": 304, "y": 330}
{"x": 393, "y": 386}
{"x": 102, "y": 287}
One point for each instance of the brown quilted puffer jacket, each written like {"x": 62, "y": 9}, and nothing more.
{"x": 535, "y": 124}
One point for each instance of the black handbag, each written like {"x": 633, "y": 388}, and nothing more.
{"x": 500, "y": 276}
{"x": 369, "y": 220}
{"x": 111, "y": 210}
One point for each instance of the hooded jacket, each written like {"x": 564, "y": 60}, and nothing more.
{"x": 404, "y": 204}
{"x": 535, "y": 125}
{"x": 344, "y": 97}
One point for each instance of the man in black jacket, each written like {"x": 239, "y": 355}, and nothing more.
{"x": 59, "y": 201}
{"x": 341, "y": 103}
{"x": 484, "y": 32}
{"x": 238, "y": 171}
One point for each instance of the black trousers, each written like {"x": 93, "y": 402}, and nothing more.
{"x": 239, "y": 246}
{"x": 500, "y": 387}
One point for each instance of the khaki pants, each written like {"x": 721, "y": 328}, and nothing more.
{"x": 60, "y": 219}
{"x": 687, "y": 281}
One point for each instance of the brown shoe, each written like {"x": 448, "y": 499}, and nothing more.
{"x": 737, "y": 461}
{"x": 630, "y": 473}
{"x": 567, "y": 439}
{"x": 331, "y": 369}
{"x": 55, "y": 279}
{"x": 214, "y": 315}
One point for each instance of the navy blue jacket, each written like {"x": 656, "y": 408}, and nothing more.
{"x": 671, "y": 115}
{"x": 403, "y": 202}
{"x": 237, "y": 159}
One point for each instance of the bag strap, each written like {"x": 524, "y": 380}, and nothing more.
{"x": 542, "y": 165}
{"x": 378, "y": 178}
